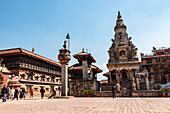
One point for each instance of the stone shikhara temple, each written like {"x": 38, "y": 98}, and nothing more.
{"x": 124, "y": 67}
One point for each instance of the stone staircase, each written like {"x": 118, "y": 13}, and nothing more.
{"x": 125, "y": 88}
{"x": 106, "y": 91}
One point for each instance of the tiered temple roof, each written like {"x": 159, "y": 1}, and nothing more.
{"x": 22, "y": 51}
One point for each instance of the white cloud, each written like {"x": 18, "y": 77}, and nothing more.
{"x": 104, "y": 68}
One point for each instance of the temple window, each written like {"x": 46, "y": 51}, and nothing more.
{"x": 43, "y": 78}
{"x": 57, "y": 80}
{"x": 47, "y": 89}
{"x": 113, "y": 77}
{"x": 149, "y": 60}
{"x": 35, "y": 89}
{"x": 122, "y": 53}
{"x": 53, "y": 78}
{"x": 48, "y": 79}
{"x": 30, "y": 76}
{"x": 36, "y": 78}
{"x": 22, "y": 76}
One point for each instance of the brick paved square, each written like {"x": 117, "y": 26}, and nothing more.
{"x": 88, "y": 105}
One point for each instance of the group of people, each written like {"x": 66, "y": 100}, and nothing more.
{"x": 12, "y": 93}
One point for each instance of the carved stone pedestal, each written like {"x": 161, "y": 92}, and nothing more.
{"x": 118, "y": 94}
{"x": 134, "y": 93}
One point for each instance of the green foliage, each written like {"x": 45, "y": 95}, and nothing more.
{"x": 88, "y": 92}
{"x": 166, "y": 90}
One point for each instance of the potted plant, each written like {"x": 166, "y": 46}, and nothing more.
{"x": 166, "y": 91}
{"x": 88, "y": 92}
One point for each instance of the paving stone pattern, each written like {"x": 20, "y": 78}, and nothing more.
{"x": 88, "y": 105}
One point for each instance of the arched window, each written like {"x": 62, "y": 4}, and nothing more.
{"x": 122, "y": 53}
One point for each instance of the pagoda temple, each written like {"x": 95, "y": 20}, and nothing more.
{"x": 83, "y": 74}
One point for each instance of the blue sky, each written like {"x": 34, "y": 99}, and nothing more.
{"x": 44, "y": 24}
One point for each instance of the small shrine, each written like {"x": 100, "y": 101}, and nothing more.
{"x": 14, "y": 82}
{"x": 83, "y": 74}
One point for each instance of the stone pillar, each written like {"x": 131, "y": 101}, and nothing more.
{"x": 137, "y": 82}
{"x": 147, "y": 82}
{"x": 64, "y": 80}
{"x": 129, "y": 75}
{"x": 110, "y": 75}
{"x": 85, "y": 66}
{"x": 64, "y": 57}
{"x": 117, "y": 76}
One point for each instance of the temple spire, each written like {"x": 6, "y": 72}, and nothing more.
{"x": 119, "y": 22}
{"x": 83, "y": 51}
{"x": 119, "y": 15}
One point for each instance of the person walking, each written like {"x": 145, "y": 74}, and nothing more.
{"x": 42, "y": 92}
{"x": 23, "y": 93}
{"x": 31, "y": 93}
{"x": 59, "y": 90}
{"x": 113, "y": 91}
{"x": 53, "y": 95}
{"x": 4, "y": 93}
{"x": 8, "y": 92}
{"x": 12, "y": 91}
{"x": 16, "y": 93}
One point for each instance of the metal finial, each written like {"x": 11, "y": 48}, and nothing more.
{"x": 119, "y": 15}
{"x": 83, "y": 51}
{"x": 65, "y": 45}
{"x": 68, "y": 36}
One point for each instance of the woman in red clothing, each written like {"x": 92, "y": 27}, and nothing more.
{"x": 31, "y": 93}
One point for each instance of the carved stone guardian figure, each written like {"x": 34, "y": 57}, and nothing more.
{"x": 117, "y": 86}
{"x": 133, "y": 86}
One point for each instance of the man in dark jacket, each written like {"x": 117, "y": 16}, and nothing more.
{"x": 113, "y": 91}
{"x": 23, "y": 93}
{"x": 16, "y": 93}
{"x": 4, "y": 93}
{"x": 42, "y": 92}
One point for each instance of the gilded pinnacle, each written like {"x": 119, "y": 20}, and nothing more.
{"x": 83, "y": 51}
{"x": 119, "y": 15}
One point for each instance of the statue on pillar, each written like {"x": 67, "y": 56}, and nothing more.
{"x": 64, "y": 57}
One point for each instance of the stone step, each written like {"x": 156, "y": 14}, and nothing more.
{"x": 103, "y": 93}
{"x": 106, "y": 88}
